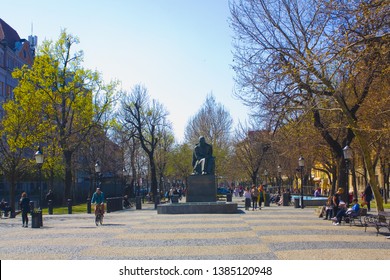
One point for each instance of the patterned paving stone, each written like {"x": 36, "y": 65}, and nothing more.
{"x": 273, "y": 233}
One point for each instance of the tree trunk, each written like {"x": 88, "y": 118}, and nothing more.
{"x": 12, "y": 198}
{"x": 355, "y": 190}
{"x": 365, "y": 150}
{"x": 153, "y": 173}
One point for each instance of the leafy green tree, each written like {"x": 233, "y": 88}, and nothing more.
{"x": 63, "y": 99}
{"x": 179, "y": 162}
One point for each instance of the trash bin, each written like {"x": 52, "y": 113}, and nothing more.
{"x": 138, "y": 203}
{"x": 267, "y": 199}
{"x": 286, "y": 199}
{"x": 229, "y": 197}
{"x": 36, "y": 219}
{"x": 296, "y": 202}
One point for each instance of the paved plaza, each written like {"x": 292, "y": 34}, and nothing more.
{"x": 272, "y": 233}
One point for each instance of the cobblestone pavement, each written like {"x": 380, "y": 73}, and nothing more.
{"x": 272, "y": 233}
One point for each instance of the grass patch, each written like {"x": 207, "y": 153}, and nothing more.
{"x": 76, "y": 209}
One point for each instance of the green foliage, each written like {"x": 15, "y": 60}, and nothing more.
{"x": 57, "y": 103}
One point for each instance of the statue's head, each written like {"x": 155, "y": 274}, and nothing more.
{"x": 202, "y": 140}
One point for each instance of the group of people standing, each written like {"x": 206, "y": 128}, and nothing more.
{"x": 255, "y": 195}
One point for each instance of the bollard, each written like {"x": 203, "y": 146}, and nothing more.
{"x": 138, "y": 204}
{"x": 286, "y": 199}
{"x": 229, "y": 197}
{"x": 267, "y": 199}
{"x": 296, "y": 202}
{"x": 89, "y": 205}
{"x": 156, "y": 201}
{"x": 40, "y": 218}
{"x": 69, "y": 206}
{"x": 50, "y": 207}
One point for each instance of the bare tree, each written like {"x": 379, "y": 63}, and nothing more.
{"x": 145, "y": 120}
{"x": 251, "y": 150}
{"x": 311, "y": 56}
{"x": 213, "y": 122}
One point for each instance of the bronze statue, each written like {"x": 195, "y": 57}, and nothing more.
{"x": 202, "y": 158}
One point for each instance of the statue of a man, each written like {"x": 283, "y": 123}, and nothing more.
{"x": 202, "y": 158}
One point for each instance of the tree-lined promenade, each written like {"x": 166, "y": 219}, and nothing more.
{"x": 315, "y": 75}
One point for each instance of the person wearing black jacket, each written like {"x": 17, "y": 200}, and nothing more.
{"x": 368, "y": 196}
{"x": 25, "y": 207}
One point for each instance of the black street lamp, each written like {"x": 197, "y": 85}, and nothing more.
{"x": 280, "y": 177}
{"x": 98, "y": 170}
{"x": 265, "y": 177}
{"x": 301, "y": 163}
{"x": 347, "y": 151}
{"x": 39, "y": 161}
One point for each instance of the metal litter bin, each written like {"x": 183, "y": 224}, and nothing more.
{"x": 286, "y": 199}
{"x": 296, "y": 202}
{"x": 36, "y": 219}
{"x": 267, "y": 199}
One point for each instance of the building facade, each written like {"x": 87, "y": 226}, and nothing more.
{"x": 14, "y": 53}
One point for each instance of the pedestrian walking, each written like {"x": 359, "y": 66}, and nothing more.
{"x": 25, "y": 207}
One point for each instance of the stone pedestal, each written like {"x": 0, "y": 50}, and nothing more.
{"x": 201, "y": 198}
{"x": 198, "y": 208}
{"x": 202, "y": 188}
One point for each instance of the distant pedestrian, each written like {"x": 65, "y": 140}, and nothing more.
{"x": 50, "y": 197}
{"x": 336, "y": 200}
{"x": 254, "y": 194}
{"x": 261, "y": 195}
{"x": 329, "y": 208}
{"x": 368, "y": 196}
{"x": 25, "y": 207}
{"x": 248, "y": 197}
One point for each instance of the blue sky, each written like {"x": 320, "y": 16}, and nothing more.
{"x": 180, "y": 50}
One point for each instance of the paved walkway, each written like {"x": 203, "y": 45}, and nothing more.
{"x": 273, "y": 233}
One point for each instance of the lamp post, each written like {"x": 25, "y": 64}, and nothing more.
{"x": 39, "y": 161}
{"x": 265, "y": 177}
{"x": 347, "y": 151}
{"x": 125, "y": 175}
{"x": 98, "y": 170}
{"x": 301, "y": 163}
{"x": 279, "y": 178}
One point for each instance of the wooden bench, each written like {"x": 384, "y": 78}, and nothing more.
{"x": 381, "y": 220}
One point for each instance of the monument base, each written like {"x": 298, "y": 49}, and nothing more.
{"x": 201, "y": 188}
{"x": 198, "y": 208}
